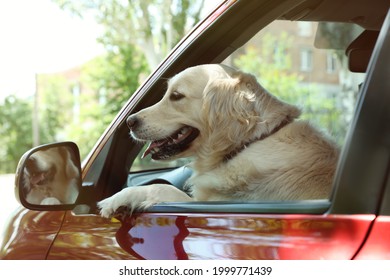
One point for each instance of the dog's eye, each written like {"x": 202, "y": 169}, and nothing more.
{"x": 175, "y": 96}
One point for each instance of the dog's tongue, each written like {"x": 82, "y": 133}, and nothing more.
{"x": 153, "y": 145}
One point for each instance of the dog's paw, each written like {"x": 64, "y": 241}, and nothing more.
{"x": 110, "y": 205}
{"x": 50, "y": 201}
{"x": 132, "y": 198}
{"x": 140, "y": 198}
{"x": 106, "y": 207}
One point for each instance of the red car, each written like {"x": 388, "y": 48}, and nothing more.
{"x": 275, "y": 37}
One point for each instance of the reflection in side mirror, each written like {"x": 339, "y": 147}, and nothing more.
{"x": 49, "y": 175}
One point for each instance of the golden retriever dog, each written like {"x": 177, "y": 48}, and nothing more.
{"x": 50, "y": 177}
{"x": 246, "y": 144}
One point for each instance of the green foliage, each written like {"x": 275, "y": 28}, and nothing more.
{"x": 54, "y": 96}
{"x": 137, "y": 35}
{"x": 15, "y": 131}
{"x": 16, "y": 127}
{"x": 115, "y": 76}
{"x": 108, "y": 81}
{"x": 155, "y": 26}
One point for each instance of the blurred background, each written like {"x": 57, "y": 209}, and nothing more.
{"x": 68, "y": 66}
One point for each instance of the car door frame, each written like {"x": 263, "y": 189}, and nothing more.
{"x": 105, "y": 177}
{"x": 108, "y": 173}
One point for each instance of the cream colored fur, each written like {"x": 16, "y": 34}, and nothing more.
{"x": 231, "y": 109}
{"x": 62, "y": 188}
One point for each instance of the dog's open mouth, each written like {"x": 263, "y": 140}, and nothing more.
{"x": 172, "y": 145}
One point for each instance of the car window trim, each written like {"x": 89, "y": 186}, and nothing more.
{"x": 366, "y": 154}
{"x": 253, "y": 207}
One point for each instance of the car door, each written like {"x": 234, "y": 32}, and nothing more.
{"x": 322, "y": 229}
{"x": 377, "y": 244}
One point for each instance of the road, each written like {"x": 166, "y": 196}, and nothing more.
{"x": 8, "y": 202}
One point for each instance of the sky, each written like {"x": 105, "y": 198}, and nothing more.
{"x": 38, "y": 37}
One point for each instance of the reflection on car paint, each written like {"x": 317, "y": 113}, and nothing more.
{"x": 377, "y": 246}
{"x": 153, "y": 236}
{"x": 193, "y": 236}
{"x": 87, "y": 237}
{"x": 36, "y": 232}
{"x": 161, "y": 236}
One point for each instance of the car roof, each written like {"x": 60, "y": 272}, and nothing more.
{"x": 369, "y": 14}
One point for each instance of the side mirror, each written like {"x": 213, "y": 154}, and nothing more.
{"x": 48, "y": 177}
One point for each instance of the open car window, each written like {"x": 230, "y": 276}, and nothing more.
{"x": 305, "y": 65}
{"x": 302, "y": 63}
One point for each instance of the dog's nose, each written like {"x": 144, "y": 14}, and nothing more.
{"x": 132, "y": 122}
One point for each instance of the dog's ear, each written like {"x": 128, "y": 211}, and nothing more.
{"x": 223, "y": 97}
{"x": 243, "y": 108}
{"x": 272, "y": 111}
{"x": 71, "y": 170}
{"x": 230, "y": 104}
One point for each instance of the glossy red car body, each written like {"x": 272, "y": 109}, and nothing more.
{"x": 355, "y": 224}
{"x": 172, "y": 236}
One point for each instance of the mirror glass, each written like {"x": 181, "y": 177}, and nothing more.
{"x": 51, "y": 176}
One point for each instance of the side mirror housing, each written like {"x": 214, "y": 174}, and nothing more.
{"x": 48, "y": 177}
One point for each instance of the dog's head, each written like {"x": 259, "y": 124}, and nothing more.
{"x": 208, "y": 109}
{"x": 49, "y": 168}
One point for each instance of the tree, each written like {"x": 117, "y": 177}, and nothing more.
{"x": 272, "y": 66}
{"x": 16, "y": 126}
{"x": 114, "y": 77}
{"x": 15, "y": 131}
{"x": 137, "y": 35}
{"x": 54, "y": 95}
{"x": 154, "y": 26}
